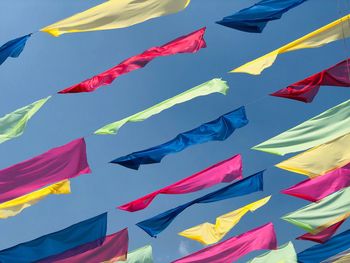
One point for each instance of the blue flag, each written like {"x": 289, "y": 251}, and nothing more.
{"x": 13, "y": 48}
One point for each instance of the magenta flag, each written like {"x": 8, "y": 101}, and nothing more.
{"x": 223, "y": 172}
{"x": 321, "y": 186}
{"x": 190, "y": 43}
{"x": 55, "y": 165}
{"x": 305, "y": 90}
{"x": 263, "y": 237}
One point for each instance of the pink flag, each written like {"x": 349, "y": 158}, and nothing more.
{"x": 190, "y": 43}
{"x": 55, "y": 165}
{"x": 225, "y": 171}
{"x": 263, "y": 237}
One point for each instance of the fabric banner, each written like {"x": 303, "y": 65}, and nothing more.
{"x": 17, "y": 205}
{"x": 323, "y": 128}
{"x": 306, "y": 89}
{"x": 254, "y": 19}
{"x": 320, "y": 160}
{"x": 115, "y": 14}
{"x": 13, "y": 48}
{"x": 190, "y": 43}
{"x": 208, "y": 233}
{"x": 141, "y": 255}
{"x": 284, "y": 254}
{"x": 216, "y": 130}
{"x": 230, "y": 250}
{"x": 55, "y": 165}
{"x": 212, "y": 86}
{"x": 153, "y": 226}
{"x": 336, "y": 30}
{"x": 13, "y": 124}
{"x": 223, "y": 172}
{"x": 57, "y": 242}
{"x": 343, "y": 257}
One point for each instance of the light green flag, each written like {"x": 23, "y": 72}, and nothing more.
{"x": 325, "y": 127}
{"x": 141, "y": 255}
{"x": 212, "y": 86}
{"x": 13, "y": 124}
{"x": 318, "y": 216}
{"x": 284, "y": 254}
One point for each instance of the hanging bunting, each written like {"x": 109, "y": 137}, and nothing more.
{"x": 323, "y": 128}
{"x": 284, "y": 254}
{"x": 190, "y": 43}
{"x": 153, "y": 226}
{"x": 336, "y": 30}
{"x": 63, "y": 240}
{"x": 208, "y": 233}
{"x": 216, "y": 130}
{"x": 13, "y": 48}
{"x": 230, "y": 250}
{"x": 141, "y": 255}
{"x": 254, "y": 19}
{"x": 212, "y": 86}
{"x": 222, "y": 172}
{"x": 305, "y": 90}
{"x": 55, "y": 165}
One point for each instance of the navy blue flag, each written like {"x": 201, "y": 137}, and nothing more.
{"x": 13, "y": 48}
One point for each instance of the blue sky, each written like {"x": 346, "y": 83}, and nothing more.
{"x": 50, "y": 64}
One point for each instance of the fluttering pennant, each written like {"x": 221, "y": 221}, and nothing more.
{"x": 55, "y": 165}
{"x": 223, "y": 172}
{"x": 57, "y": 242}
{"x": 336, "y": 30}
{"x": 153, "y": 226}
{"x": 208, "y": 233}
{"x": 13, "y": 124}
{"x": 284, "y": 254}
{"x": 230, "y": 250}
{"x": 216, "y": 130}
{"x": 17, "y": 205}
{"x": 190, "y": 43}
{"x": 115, "y": 14}
{"x": 306, "y": 89}
{"x": 254, "y": 19}
{"x": 321, "y": 159}
{"x": 323, "y": 128}
{"x": 209, "y": 87}
{"x": 343, "y": 257}
{"x": 13, "y": 48}
{"x": 141, "y": 255}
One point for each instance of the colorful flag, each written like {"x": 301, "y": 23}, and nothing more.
{"x": 284, "y": 254}
{"x": 190, "y": 43}
{"x": 222, "y": 172}
{"x": 214, "y": 85}
{"x": 336, "y": 30}
{"x": 216, "y": 130}
{"x": 55, "y": 165}
{"x": 141, "y": 255}
{"x": 230, "y": 250}
{"x": 306, "y": 89}
{"x": 254, "y": 19}
{"x": 153, "y": 226}
{"x": 13, "y": 48}
{"x": 343, "y": 257}
{"x": 323, "y": 128}
{"x": 208, "y": 233}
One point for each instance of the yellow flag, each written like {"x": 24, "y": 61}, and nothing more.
{"x": 208, "y": 233}
{"x": 336, "y": 30}
{"x": 114, "y": 14}
{"x": 15, "y": 206}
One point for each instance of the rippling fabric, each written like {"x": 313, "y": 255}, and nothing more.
{"x": 306, "y": 89}
{"x": 323, "y": 128}
{"x": 343, "y": 257}
{"x": 284, "y": 254}
{"x": 17, "y": 205}
{"x": 57, "y": 242}
{"x": 336, "y": 30}
{"x": 13, "y": 48}
{"x": 190, "y": 43}
{"x": 212, "y": 86}
{"x": 208, "y": 233}
{"x": 254, "y": 19}
{"x": 230, "y": 250}
{"x": 216, "y": 130}
{"x": 222, "y": 172}
{"x": 115, "y": 14}
{"x": 141, "y": 255}
{"x": 153, "y": 226}
{"x": 13, "y": 124}
{"x": 55, "y": 165}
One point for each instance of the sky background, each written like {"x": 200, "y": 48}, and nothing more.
{"x": 50, "y": 64}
